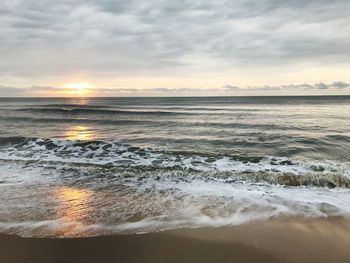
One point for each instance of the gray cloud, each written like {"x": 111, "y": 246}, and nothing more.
{"x": 106, "y": 37}
{"x": 33, "y": 91}
{"x": 303, "y": 87}
{"x": 340, "y": 85}
{"x": 227, "y": 90}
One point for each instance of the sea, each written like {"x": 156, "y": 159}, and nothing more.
{"x": 73, "y": 167}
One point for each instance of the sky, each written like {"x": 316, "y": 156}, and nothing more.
{"x": 174, "y": 48}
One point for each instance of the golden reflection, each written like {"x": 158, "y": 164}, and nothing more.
{"x": 81, "y": 133}
{"x": 74, "y": 210}
{"x": 80, "y": 101}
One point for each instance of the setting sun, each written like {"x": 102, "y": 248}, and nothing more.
{"x": 77, "y": 89}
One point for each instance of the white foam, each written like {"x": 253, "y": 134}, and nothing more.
{"x": 125, "y": 201}
{"x": 169, "y": 205}
{"x": 115, "y": 154}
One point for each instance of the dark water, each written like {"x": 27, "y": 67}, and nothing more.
{"x": 72, "y": 167}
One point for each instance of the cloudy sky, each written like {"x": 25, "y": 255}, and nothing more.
{"x": 160, "y": 48}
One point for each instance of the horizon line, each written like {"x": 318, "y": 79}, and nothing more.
{"x": 210, "y": 96}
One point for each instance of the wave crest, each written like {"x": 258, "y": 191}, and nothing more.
{"x": 185, "y": 165}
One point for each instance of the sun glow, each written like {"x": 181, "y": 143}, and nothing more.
{"x": 77, "y": 89}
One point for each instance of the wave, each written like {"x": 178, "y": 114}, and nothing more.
{"x": 194, "y": 124}
{"x": 98, "y": 111}
{"x": 150, "y": 107}
{"x": 77, "y": 120}
{"x": 65, "y": 200}
{"x": 86, "y": 109}
{"x": 63, "y": 105}
{"x": 119, "y": 157}
{"x": 338, "y": 137}
{"x": 12, "y": 140}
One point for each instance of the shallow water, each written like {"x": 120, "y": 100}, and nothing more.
{"x": 77, "y": 167}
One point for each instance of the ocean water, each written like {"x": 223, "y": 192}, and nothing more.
{"x": 84, "y": 167}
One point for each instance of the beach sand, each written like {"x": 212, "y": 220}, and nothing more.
{"x": 292, "y": 240}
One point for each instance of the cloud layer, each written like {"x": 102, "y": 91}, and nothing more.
{"x": 227, "y": 90}
{"x": 118, "y": 38}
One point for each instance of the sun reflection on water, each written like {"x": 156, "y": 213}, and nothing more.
{"x": 81, "y": 133}
{"x": 74, "y": 210}
{"x": 79, "y": 101}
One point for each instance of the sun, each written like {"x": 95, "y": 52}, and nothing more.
{"x": 77, "y": 89}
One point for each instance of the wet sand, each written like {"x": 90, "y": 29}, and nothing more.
{"x": 274, "y": 241}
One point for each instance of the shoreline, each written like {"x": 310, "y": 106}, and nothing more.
{"x": 277, "y": 240}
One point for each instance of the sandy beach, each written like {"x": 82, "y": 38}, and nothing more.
{"x": 274, "y": 241}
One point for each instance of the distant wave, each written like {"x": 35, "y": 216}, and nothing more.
{"x": 145, "y": 107}
{"x": 64, "y": 105}
{"x": 194, "y": 123}
{"x": 75, "y": 120}
{"x": 86, "y": 109}
{"x": 98, "y": 111}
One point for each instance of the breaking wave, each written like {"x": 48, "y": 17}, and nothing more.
{"x": 184, "y": 165}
